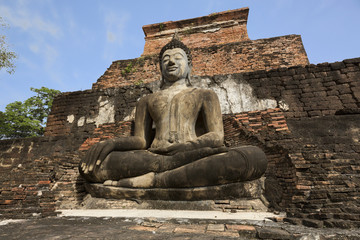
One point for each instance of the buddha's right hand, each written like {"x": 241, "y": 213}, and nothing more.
{"x": 96, "y": 155}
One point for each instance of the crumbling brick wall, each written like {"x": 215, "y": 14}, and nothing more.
{"x": 83, "y": 112}
{"x": 219, "y": 44}
{"x": 228, "y": 58}
{"x": 213, "y": 29}
{"x": 321, "y": 104}
{"x": 39, "y": 175}
{"x": 310, "y": 91}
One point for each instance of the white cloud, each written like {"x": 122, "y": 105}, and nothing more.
{"x": 210, "y": 6}
{"x": 29, "y": 21}
{"x": 38, "y": 30}
{"x": 278, "y": 6}
{"x": 50, "y": 54}
{"x": 28, "y": 62}
{"x": 34, "y": 48}
{"x": 110, "y": 37}
{"x": 115, "y": 27}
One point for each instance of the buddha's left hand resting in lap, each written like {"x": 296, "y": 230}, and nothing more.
{"x": 187, "y": 150}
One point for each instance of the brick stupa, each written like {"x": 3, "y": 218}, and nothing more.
{"x": 219, "y": 44}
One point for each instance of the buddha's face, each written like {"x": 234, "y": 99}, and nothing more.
{"x": 174, "y": 64}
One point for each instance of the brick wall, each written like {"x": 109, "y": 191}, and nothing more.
{"x": 213, "y": 29}
{"x": 219, "y": 44}
{"x": 39, "y": 175}
{"x": 326, "y": 154}
{"x": 264, "y": 129}
{"x": 82, "y": 112}
{"x": 238, "y": 57}
{"x": 309, "y": 91}
{"x": 313, "y": 90}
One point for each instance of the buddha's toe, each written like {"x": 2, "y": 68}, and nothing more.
{"x": 110, "y": 183}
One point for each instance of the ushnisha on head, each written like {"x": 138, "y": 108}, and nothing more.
{"x": 175, "y": 61}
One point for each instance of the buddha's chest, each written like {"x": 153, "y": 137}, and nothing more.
{"x": 183, "y": 104}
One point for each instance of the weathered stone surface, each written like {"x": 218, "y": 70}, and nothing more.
{"x": 112, "y": 228}
{"x": 294, "y": 221}
{"x": 237, "y": 96}
{"x": 312, "y": 236}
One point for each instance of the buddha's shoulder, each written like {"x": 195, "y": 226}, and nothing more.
{"x": 204, "y": 92}
{"x": 187, "y": 91}
{"x": 201, "y": 90}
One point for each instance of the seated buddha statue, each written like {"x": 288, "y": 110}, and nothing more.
{"x": 187, "y": 148}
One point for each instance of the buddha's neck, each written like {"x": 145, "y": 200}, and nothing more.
{"x": 178, "y": 84}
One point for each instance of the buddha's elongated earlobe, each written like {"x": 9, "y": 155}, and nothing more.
{"x": 162, "y": 81}
{"x": 188, "y": 78}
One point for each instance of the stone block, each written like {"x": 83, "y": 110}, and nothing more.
{"x": 313, "y": 223}
{"x": 294, "y": 221}
{"x": 215, "y": 228}
{"x": 196, "y": 229}
{"x": 143, "y": 228}
{"x": 337, "y": 65}
{"x": 338, "y": 224}
{"x": 352, "y": 60}
{"x": 244, "y": 231}
{"x": 272, "y": 233}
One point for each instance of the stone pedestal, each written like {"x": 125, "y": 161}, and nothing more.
{"x": 229, "y": 197}
{"x": 250, "y": 190}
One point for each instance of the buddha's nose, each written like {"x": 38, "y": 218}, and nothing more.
{"x": 171, "y": 61}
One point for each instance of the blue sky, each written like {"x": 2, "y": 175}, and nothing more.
{"x": 68, "y": 44}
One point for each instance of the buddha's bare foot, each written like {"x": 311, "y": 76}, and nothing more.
{"x": 143, "y": 181}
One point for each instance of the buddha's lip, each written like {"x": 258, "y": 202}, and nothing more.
{"x": 172, "y": 68}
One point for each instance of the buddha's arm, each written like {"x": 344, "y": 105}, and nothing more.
{"x": 143, "y": 123}
{"x": 141, "y": 138}
{"x": 97, "y": 153}
{"x": 213, "y": 121}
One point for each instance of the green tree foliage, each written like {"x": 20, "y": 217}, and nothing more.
{"x": 7, "y": 57}
{"x": 28, "y": 118}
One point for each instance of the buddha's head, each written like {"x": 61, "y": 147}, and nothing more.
{"x": 175, "y": 61}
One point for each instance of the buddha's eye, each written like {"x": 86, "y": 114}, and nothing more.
{"x": 178, "y": 56}
{"x": 166, "y": 59}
